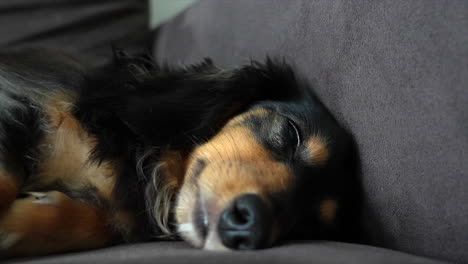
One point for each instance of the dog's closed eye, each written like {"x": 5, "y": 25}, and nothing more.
{"x": 281, "y": 135}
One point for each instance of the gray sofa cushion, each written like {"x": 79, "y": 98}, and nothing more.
{"x": 87, "y": 27}
{"x": 395, "y": 72}
{"x": 180, "y": 252}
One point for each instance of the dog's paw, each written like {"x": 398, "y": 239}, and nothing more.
{"x": 19, "y": 222}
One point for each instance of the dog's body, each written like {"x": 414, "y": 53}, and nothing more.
{"x": 132, "y": 151}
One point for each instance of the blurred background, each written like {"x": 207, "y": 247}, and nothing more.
{"x": 88, "y": 27}
{"x": 162, "y": 10}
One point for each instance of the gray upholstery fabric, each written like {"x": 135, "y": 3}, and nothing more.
{"x": 180, "y": 252}
{"x": 88, "y": 27}
{"x": 395, "y": 72}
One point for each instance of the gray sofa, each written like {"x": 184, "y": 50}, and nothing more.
{"x": 394, "y": 72}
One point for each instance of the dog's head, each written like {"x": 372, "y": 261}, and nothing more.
{"x": 248, "y": 156}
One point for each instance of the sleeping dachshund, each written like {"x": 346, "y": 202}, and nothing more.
{"x": 135, "y": 151}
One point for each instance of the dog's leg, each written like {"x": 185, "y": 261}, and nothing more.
{"x": 52, "y": 222}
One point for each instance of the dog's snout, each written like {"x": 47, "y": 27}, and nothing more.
{"x": 246, "y": 223}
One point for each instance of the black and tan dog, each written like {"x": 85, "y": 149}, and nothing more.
{"x": 225, "y": 159}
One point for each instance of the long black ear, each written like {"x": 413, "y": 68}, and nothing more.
{"x": 273, "y": 79}
{"x": 182, "y": 105}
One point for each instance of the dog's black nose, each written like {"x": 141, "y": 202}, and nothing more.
{"x": 246, "y": 223}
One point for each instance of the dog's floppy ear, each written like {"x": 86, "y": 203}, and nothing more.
{"x": 273, "y": 80}
{"x": 180, "y": 106}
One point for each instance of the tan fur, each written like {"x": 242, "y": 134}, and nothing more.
{"x": 318, "y": 150}
{"x": 61, "y": 225}
{"x": 66, "y": 150}
{"x": 244, "y": 156}
{"x": 328, "y": 211}
{"x": 241, "y": 118}
{"x": 239, "y": 178}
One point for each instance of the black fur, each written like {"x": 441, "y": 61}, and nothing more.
{"x": 135, "y": 107}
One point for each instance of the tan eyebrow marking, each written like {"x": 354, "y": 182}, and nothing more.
{"x": 241, "y": 118}
{"x": 318, "y": 150}
{"x": 328, "y": 211}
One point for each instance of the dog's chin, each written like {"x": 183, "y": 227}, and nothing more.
{"x": 197, "y": 221}
{"x": 201, "y": 233}
{"x": 211, "y": 242}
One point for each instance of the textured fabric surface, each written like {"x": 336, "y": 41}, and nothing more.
{"x": 88, "y": 27}
{"x": 180, "y": 252}
{"x": 395, "y": 72}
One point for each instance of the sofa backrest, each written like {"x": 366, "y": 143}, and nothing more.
{"x": 88, "y": 28}
{"x": 394, "y": 72}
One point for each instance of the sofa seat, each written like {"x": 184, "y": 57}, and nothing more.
{"x": 180, "y": 252}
